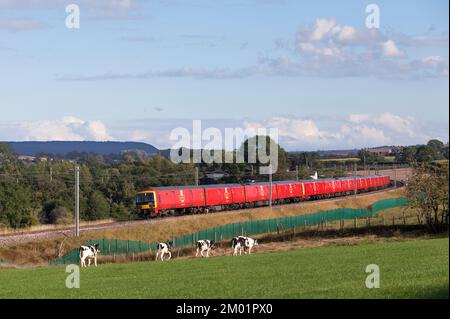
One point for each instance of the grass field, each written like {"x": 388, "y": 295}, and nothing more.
{"x": 409, "y": 269}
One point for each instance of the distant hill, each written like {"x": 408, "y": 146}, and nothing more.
{"x": 63, "y": 148}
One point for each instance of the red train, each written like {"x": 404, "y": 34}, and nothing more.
{"x": 198, "y": 199}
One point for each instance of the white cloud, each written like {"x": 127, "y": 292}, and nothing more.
{"x": 66, "y": 129}
{"x": 295, "y": 133}
{"x": 322, "y": 28}
{"x": 391, "y": 50}
{"x": 327, "y": 49}
{"x": 348, "y": 33}
{"x": 354, "y": 131}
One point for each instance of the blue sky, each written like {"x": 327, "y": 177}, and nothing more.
{"x": 137, "y": 69}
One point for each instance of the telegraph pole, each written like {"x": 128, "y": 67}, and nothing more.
{"x": 196, "y": 176}
{"x": 51, "y": 174}
{"x": 270, "y": 186}
{"x": 296, "y": 173}
{"x": 77, "y": 201}
{"x": 354, "y": 173}
{"x": 395, "y": 176}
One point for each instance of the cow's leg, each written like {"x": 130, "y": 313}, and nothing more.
{"x": 95, "y": 261}
{"x": 82, "y": 263}
{"x": 207, "y": 253}
{"x": 196, "y": 254}
{"x": 201, "y": 253}
{"x": 249, "y": 250}
{"x": 89, "y": 262}
{"x": 156, "y": 258}
{"x": 170, "y": 255}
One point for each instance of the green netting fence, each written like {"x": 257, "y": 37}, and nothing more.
{"x": 249, "y": 228}
{"x": 4, "y": 261}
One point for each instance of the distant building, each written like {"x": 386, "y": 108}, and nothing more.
{"x": 26, "y": 158}
{"x": 384, "y": 150}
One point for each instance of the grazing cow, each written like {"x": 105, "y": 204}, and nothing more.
{"x": 243, "y": 243}
{"x": 238, "y": 243}
{"x": 89, "y": 252}
{"x": 164, "y": 248}
{"x": 249, "y": 243}
{"x": 205, "y": 245}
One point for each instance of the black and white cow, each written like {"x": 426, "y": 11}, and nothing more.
{"x": 243, "y": 243}
{"x": 249, "y": 243}
{"x": 205, "y": 245}
{"x": 89, "y": 253}
{"x": 238, "y": 243}
{"x": 164, "y": 248}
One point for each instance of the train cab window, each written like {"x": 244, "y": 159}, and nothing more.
{"x": 145, "y": 198}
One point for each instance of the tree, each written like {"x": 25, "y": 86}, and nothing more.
{"x": 16, "y": 208}
{"x": 368, "y": 157}
{"x": 437, "y": 148}
{"x": 427, "y": 192}
{"x": 425, "y": 154}
{"x": 97, "y": 206}
{"x": 408, "y": 155}
{"x": 5, "y": 149}
{"x": 253, "y": 146}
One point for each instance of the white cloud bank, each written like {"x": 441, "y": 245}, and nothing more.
{"x": 67, "y": 129}
{"x": 351, "y": 131}
{"x": 354, "y": 131}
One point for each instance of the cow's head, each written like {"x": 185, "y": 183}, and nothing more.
{"x": 212, "y": 244}
{"x": 256, "y": 243}
{"x": 170, "y": 244}
{"x": 97, "y": 248}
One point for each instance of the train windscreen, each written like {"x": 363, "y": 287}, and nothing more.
{"x": 145, "y": 198}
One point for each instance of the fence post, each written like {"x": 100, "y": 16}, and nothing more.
{"x": 356, "y": 223}
{"x": 393, "y": 220}
{"x": 404, "y": 220}
{"x": 128, "y": 246}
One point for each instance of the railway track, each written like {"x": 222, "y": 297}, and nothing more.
{"x": 23, "y": 237}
